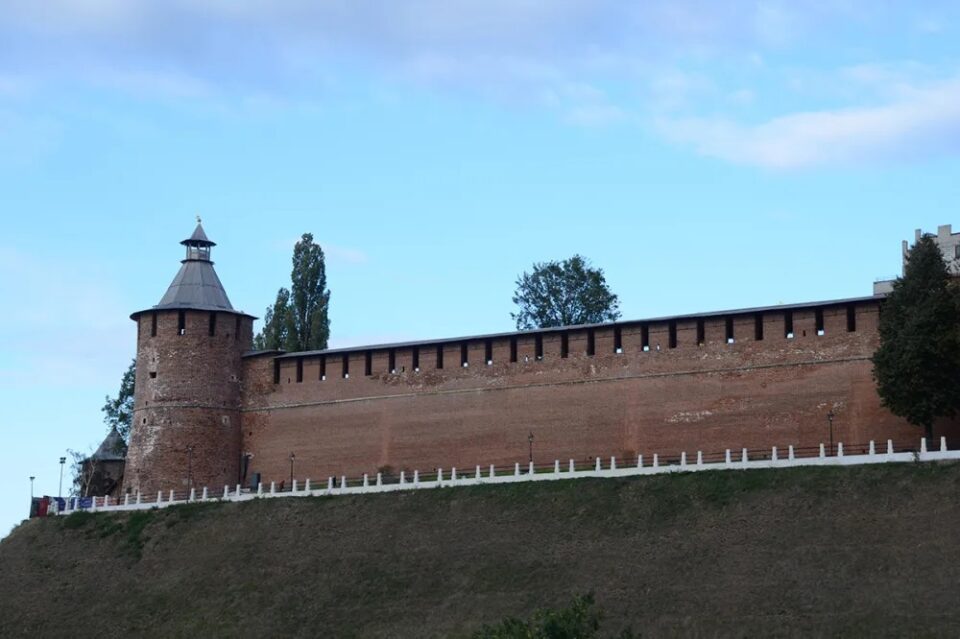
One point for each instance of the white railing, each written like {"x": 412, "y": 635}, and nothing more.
{"x": 731, "y": 460}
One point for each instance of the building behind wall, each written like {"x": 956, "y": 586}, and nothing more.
{"x": 208, "y": 411}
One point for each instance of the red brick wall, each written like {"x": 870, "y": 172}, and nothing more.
{"x": 750, "y": 393}
{"x": 188, "y": 391}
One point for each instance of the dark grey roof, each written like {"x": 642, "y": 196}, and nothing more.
{"x": 445, "y": 340}
{"x": 199, "y": 237}
{"x": 196, "y": 286}
{"x": 113, "y": 448}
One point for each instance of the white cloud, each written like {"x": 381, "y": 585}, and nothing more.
{"x": 924, "y": 122}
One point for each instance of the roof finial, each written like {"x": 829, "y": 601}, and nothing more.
{"x": 198, "y": 219}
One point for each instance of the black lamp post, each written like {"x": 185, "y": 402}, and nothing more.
{"x": 31, "y": 487}
{"x": 63, "y": 460}
{"x": 530, "y": 442}
{"x": 830, "y": 417}
{"x": 292, "y": 457}
{"x": 189, "y": 467}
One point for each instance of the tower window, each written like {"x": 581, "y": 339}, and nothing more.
{"x": 513, "y": 348}
{"x": 299, "y": 369}
{"x": 818, "y": 315}
{"x": 488, "y": 352}
{"x": 368, "y": 363}
{"x": 392, "y": 360}
{"x": 153, "y": 325}
{"x": 538, "y": 347}
{"x": 788, "y": 324}
{"x": 564, "y": 345}
{"x": 463, "y": 355}
{"x": 153, "y": 374}
{"x": 276, "y": 371}
{"x": 323, "y": 367}
{"x": 758, "y": 327}
{"x": 416, "y": 359}
{"x": 672, "y": 333}
{"x": 213, "y": 324}
{"x": 181, "y": 323}
{"x": 701, "y": 332}
{"x": 236, "y": 331}
{"x": 852, "y": 317}
{"x": 729, "y": 331}
{"x": 346, "y": 366}
{"x": 440, "y": 356}
{"x": 644, "y": 338}
{"x": 617, "y": 340}
{"x": 591, "y": 343}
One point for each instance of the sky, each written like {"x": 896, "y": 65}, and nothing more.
{"x": 705, "y": 155}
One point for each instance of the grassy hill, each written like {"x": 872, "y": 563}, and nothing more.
{"x": 839, "y": 551}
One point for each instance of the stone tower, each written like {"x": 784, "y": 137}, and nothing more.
{"x": 186, "y": 419}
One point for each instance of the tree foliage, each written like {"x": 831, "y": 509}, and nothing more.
{"x": 298, "y": 319}
{"x": 563, "y": 293}
{"x": 118, "y": 411}
{"x": 917, "y": 366}
{"x": 580, "y": 620}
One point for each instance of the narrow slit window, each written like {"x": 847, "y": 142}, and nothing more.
{"x": 645, "y": 338}
{"x": 591, "y": 343}
{"x": 852, "y": 318}
{"x": 440, "y": 356}
{"x": 276, "y": 371}
{"x": 701, "y": 332}
{"x": 181, "y": 323}
{"x": 818, "y": 316}
{"x": 729, "y": 331}
{"x": 236, "y": 331}
{"x": 564, "y": 345}
{"x": 488, "y": 352}
{"x": 672, "y": 329}
{"x": 368, "y": 363}
{"x": 464, "y": 360}
{"x": 416, "y": 359}
{"x": 213, "y": 324}
{"x": 153, "y": 325}
{"x": 617, "y": 340}
{"x": 346, "y": 366}
{"x": 538, "y": 347}
{"x": 513, "y": 349}
{"x": 323, "y": 368}
{"x": 392, "y": 361}
{"x": 788, "y": 324}
{"x": 299, "y": 370}
{"x": 758, "y": 327}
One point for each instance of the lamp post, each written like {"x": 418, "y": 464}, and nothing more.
{"x": 530, "y": 442}
{"x": 63, "y": 460}
{"x": 189, "y": 467}
{"x": 292, "y": 457}
{"x": 31, "y": 487}
{"x": 830, "y": 417}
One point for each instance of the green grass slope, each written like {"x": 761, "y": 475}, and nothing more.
{"x": 868, "y": 551}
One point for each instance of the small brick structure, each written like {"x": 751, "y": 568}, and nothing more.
{"x": 210, "y": 412}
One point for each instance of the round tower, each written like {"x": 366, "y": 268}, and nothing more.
{"x": 186, "y": 418}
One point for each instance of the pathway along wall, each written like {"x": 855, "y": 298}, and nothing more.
{"x": 658, "y": 387}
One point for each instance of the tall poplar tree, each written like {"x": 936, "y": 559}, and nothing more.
{"x": 917, "y": 366}
{"x": 298, "y": 319}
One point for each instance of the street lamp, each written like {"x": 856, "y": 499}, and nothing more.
{"x": 830, "y": 417}
{"x": 189, "y": 466}
{"x": 63, "y": 460}
{"x": 292, "y": 457}
{"x": 530, "y": 442}
{"x": 31, "y": 487}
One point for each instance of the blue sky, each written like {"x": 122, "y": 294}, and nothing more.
{"x": 705, "y": 155}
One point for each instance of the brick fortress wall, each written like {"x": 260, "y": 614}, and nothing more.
{"x": 188, "y": 389}
{"x": 640, "y": 387}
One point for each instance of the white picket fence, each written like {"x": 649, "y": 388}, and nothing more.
{"x": 733, "y": 460}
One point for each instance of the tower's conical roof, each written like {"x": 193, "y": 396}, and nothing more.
{"x": 196, "y": 286}
{"x": 113, "y": 448}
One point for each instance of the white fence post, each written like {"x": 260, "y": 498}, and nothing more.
{"x": 493, "y": 471}
{"x": 477, "y": 475}
{"x": 343, "y": 482}
{"x": 556, "y": 466}
{"x": 839, "y": 449}
{"x": 683, "y": 459}
{"x": 439, "y": 476}
{"x": 573, "y": 466}
{"x": 171, "y": 496}
{"x": 726, "y": 458}
{"x": 773, "y": 454}
{"x": 530, "y": 472}
{"x": 403, "y": 477}
{"x": 306, "y": 485}
{"x": 416, "y": 478}
{"x": 226, "y": 492}
{"x": 699, "y": 458}
{"x": 366, "y": 481}
{"x": 889, "y": 446}
{"x": 823, "y": 451}
{"x": 743, "y": 457}
{"x": 126, "y": 499}
{"x": 597, "y": 464}
{"x": 379, "y": 479}
{"x": 138, "y": 497}
{"x": 329, "y": 483}
{"x": 293, "y": 486}
{"x": 943, "y": 444}
{"x": 656, "y": 460}
{"x": 453, "y": 474}
{"x": 205, "y": 493}
{"x": 273, "y": 488}
{"x": 790, "y": 454}
{"x": 259, "y": 489}
{"x": 923, "y": 445}
{"x": 516, "y": 469}
{"x": 639, "y": 461}
{"x": 873, "y": 449}
{"x": 613, "y": 463}
{"x": 193, "y": 494}
{"x": 93, "y": 503}
{"x": 159, "y": 496}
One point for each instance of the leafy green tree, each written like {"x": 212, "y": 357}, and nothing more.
{"x": 298, "y": 319}
{"x": 580, "y": 620}
{"x": 118, "y": 411}
{"x": 563, "y": 294}
{"x": 917, "y": 366}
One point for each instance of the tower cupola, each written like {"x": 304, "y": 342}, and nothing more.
{"x": 198, "y": 245}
